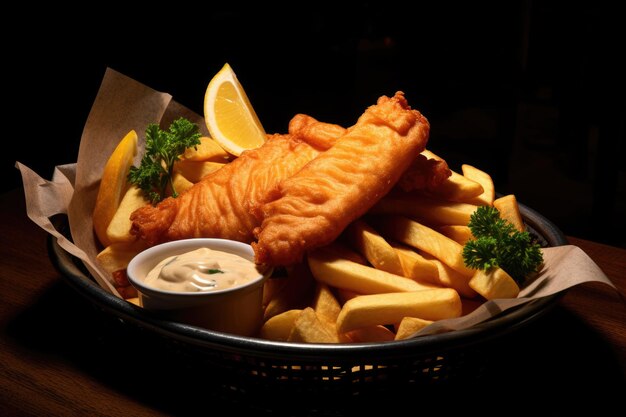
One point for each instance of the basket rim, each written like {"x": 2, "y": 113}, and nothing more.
{"x": 82, "y": 282}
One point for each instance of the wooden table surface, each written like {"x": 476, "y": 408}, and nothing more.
{"x": 56, "y": 358}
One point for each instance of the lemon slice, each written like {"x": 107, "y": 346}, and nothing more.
{"x": 229, "y": 116}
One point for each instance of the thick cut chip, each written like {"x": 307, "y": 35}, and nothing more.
{"x": 391, "y": 308}
{"x": 428, "y": 210}
{"x": 484, "y": 179}
{"x": 119, "y": 227}
{"x": 280, "y": 326}
{"x": 342, "y": 273}
{"x": 409, "y": 326}
{"x": 495, "y": 283}
{"x": 415, "y": 266}
{"x": 509, "y": 210}
{"x": 428, "y": 240}
{"x": 308, "y": 328}
{"x": 456, "y": 187}
{"x": 374, "y": 247}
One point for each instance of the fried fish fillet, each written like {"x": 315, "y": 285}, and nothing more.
{"x": 220, "y": 204}
{"x": 312, "y": 207}
{"x": 423, "y": 174}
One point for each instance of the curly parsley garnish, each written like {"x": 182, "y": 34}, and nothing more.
{"x": 498, "y": 243}
{"x": 163, "y": 148}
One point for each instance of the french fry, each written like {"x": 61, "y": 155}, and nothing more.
{"x": 428, "y": 240}
{"x": 428, "y": 210}
{"x": 484, "y": 179}
{"x": 456, "y": 232}
{"x": 207, "y": 150}
{"x": 342, "y": 273}
{"x": 456, "y": 187}
{"x": 494, "y": 283}
{"x": 271, "y": 287}
{"x": 390, "y": 308}
{"x": 308, "y": 328}
{"x": 325, "y": 304}
{"x": 415, "y": 266}
{"x": 279, "y": 327}
{"x": 409, "y": 326}
{"x": 509, "y": 210}
{"x": 181, "y": 184}
{"x": 296, "y": 293}
{"x": 194, "y": 171}
{"x": 345, "y": 252}
{"x": 117, "y": 255}
{"x": 134, "y": 300}
{"x": 366, "y": 334}
{"x": 374, "y": 247}
{"x": 450, "y": 278}
{"x": 327, "y": 308}
{"x": 119, "y": 227}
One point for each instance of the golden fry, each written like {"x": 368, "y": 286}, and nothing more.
{"x": 325, "y": 304}
{"x": 456, "y": 187}
{"x": 341, "y": 273}
{"x": 428, "y": 210}
{"x": 495, "y": 283}
{"x": 280, "y": 326}
{"x": 308, "y": 328}
{"x": 295, "y": 293}
{"x": 194, "y": 171}
{"x": 271, "y": 287}
{"x": 424, "y": 238}
{"x": 208, "y": 150}
{"x": 375, "y": 333}
{"x": 374, "y": 247}
{"x": 450, "y": 278}
{"x": 509, "y": 210}
{"x": 345, "y": 252}
{"x": 117, "y": 255}
{"x": 390, "y": 308}
{"x": 409, "y": 326}
{"x": 484, "y": 179}
{"x": 456, "y": 232}
{"x": 415, "y": 266}
{"x": 119, "y": 227}
{"x": 180, "y": 183}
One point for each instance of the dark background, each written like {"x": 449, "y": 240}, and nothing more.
{"x": 531, "y": 92}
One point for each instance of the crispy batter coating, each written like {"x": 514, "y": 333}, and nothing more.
{"x": 312, "y": 207}
{"x": 220, "y": 204}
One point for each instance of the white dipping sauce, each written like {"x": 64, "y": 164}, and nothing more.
{"x": 202, "y": 269}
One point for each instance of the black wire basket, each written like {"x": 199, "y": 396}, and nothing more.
{"x": 247, "y": 366}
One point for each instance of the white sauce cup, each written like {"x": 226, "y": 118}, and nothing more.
{"x": 236, "y": 310}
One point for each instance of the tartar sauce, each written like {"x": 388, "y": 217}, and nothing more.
{"x": 202, "y": 269}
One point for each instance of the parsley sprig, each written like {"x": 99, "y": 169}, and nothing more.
{"x": 498, "y": 243}
{"x": 163, "y": 148}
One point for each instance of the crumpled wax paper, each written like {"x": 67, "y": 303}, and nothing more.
{"x": 123, "y": 104}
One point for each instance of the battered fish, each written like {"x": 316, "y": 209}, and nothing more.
{"x": 312, "y": 207}
{"x": 220, "y": 204}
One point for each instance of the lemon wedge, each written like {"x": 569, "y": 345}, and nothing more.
{"x": 229, "y": 116}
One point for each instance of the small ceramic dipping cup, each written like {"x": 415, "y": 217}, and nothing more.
{"x": 237, "y": 310}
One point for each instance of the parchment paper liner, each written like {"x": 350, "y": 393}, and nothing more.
{"x": 123, "y": 104}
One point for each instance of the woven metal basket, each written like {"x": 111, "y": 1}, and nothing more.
{"x": 245, "y": 366}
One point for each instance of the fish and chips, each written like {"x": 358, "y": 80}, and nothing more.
{"x": 366, "y": 222}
